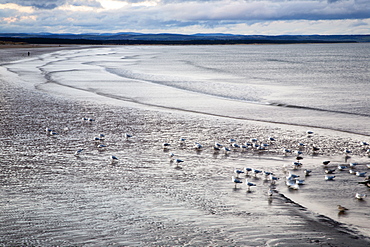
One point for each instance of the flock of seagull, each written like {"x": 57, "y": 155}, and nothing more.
{"x": 292, "y": 181}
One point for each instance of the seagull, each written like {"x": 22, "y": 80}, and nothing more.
{"x": 296, "y": 165}
{"x": 309, "y": 132}
{"x": 166, "y": 145}
{"x": 272, "y": 139}
{"x": 248, "y": 144}
{"x": 127, "y": 136}
{"x": 171, "y": 155}
{"x": 249, "y": 185}
{"x": 286, "y": 151}
{"x": 88, "y": 119}
{"x": 236, "y": 181}
{"x": 253, "y": 139}
{"x": 243, "y": 147}
{"x": 299, "y": 181}
{"x": 48, "y": 131}
{"x": 267, "y": 173}
{"x": 182, "y": 140}
{"x": 218, "y": 145}
{"x": 101, "y": 136}
{"x": 364, "y": 143}
{"x": 360, "y": 196}
{"x": 307, "y": 172}
{"x": 329, "y": 171}
{"x": 255, "y": 145}
{"x": 178, "y": 161}
{"x": 226, "y": 149}
{"x": 231, "y": 140}
{"x": 234, "y": 145}
{"x": 101, "y": 146}
{"x": 297, "y": 152}
{"x": 314, "y": 149}
{"x": 368, "y": 166}
{"x": 327, "y": 177}
{"x": 353, "y": 165}
{"x": 352, "y": 172}
{"x": 292, "y": 176}
{"x": 361, "y": 174}
{"x": 341, "y": 167}
{"x": 291, "y": 183}
{"x": 326, "y": 162}
{"x": 113, "y": 158}
{"x": 247, "y": 170}
{"x": 238, "y": 172}
{"x": 347, "y": 151}
{"x": 197, "y": 145}
{"x": 342, "y": 209}
{"x": 273, "y": 179}
{"x": 255, "y": 171}
{"x": 79, "y": 151}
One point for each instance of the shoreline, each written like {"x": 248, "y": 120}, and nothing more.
{"x": 191, "y": 205}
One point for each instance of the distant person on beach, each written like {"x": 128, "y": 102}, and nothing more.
{"x": 29, "y": 53}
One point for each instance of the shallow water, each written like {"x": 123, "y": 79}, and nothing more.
{"x": 51, "y": 197}
{"x": 306, "y": 85}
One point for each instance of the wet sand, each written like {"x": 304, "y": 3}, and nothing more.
{"x": 51, "y": 197}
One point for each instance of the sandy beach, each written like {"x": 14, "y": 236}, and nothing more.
{"x": 52, "y": 197}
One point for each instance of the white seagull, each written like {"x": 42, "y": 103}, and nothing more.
{"x": 361, "y": 174}
{"x": 113, "y": 158}
{"x": 238, "y": 172}
{"x": 197, "y": 145}
{"x": 341, "y": 167}
{"x": 360, "y": 196}
{"x": 79, "y": 151}
{"x": 329, "y": 177}
{"x": 249, "y": 185}
{"x": 307, "y": 172}
{"x": 236, "y": 181}
{"x": 255, "y": 171}
{"x": 247, "y": 170}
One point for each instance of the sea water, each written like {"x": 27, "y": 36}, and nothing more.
{"x": 314, "y": 85}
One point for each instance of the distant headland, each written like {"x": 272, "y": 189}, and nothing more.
{"x": 173, "y": 39}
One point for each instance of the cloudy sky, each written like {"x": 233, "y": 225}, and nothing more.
{"x": 264, "y": 17}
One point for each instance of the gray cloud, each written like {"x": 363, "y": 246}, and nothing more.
{"x": 52, "y": 4}
{"x": 40, "y": 4}
{"x": 177, "y": 14}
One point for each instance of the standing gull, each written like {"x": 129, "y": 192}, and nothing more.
{"x": 360, "y": 196}
{"x": 238, "y": 172}
{"x": 236, "y": 181}
{"x": 79, "y": 151}
{"x": 249, "y": 185}
{"x": 342, "y": 209}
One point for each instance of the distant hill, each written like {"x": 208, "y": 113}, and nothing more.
{"x": 169, "y": 38}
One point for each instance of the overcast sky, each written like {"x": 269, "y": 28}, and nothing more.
{"x": 264, "y": 17}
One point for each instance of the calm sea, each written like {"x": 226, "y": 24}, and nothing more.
{"x": 314, "y": 85}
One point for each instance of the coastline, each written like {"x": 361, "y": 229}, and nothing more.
{"x": 194, "y": 204}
